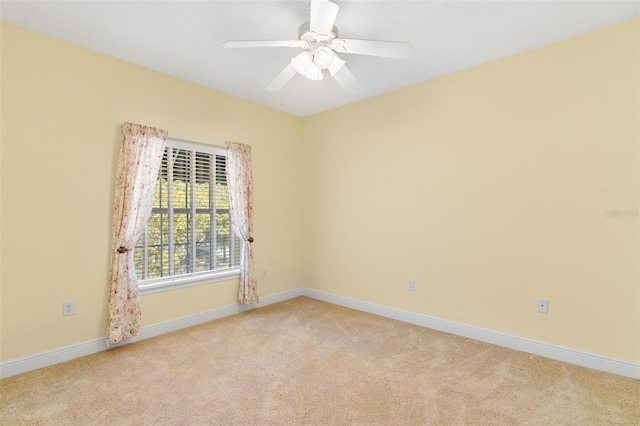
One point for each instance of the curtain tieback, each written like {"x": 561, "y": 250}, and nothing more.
{"x": 250, "y": 239}
{"x": 122, "y": 249}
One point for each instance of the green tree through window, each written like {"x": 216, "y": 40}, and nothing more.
{"x": 189, "y": 230}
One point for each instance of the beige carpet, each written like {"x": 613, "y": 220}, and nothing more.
{"x": 305, "y": 362}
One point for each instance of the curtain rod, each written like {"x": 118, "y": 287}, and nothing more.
{"x": 197, "y": 139}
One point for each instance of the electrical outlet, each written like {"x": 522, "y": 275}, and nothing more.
{"x": 411, "y": 286}
{"x": 543, "y": 306}
{"x": 264, "y": 273}
{"x": 68, "y": 308}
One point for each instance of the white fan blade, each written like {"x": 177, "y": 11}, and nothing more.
{"x": 347, "y": 81}
{"x": 282, "y": 79}
{"x": 234, "y": 44}
{"x": 387, "y": 49}
{"x": 323, "y": 16}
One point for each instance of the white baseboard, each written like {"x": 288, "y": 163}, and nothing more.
{"x": 585, "y": 359}
{"x": 573, "y": 356}
{"x": 67, "y": 353}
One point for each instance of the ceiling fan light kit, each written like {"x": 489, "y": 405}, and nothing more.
{"x": 323, "y": 57}
{"x": 313, "y": 63}
{"x": 319, "y": 39}
{"x": 305, "y": 65}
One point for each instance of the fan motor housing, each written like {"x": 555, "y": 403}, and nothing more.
{"x": 306, "y": 35}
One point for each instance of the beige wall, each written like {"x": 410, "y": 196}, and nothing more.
{"x": 63, "y": 107}
{"x": 488, "y": 187}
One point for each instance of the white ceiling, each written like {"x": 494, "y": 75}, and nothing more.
{"x": 184, "y": 38}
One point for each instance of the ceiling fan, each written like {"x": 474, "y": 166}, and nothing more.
{"x": 321, "y": 45}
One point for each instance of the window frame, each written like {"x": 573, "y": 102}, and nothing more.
{"x": 174, "y": 282}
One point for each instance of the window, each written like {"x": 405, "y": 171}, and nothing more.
{"x": 188, "y": 239}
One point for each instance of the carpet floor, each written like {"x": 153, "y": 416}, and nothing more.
{"x": 306, "y": 362}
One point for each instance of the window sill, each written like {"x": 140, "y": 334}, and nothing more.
{"x": 173, "y": 283}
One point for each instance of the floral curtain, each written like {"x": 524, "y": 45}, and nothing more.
{"x": 140, "y": 159}
{"x": 240, "y": 184}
